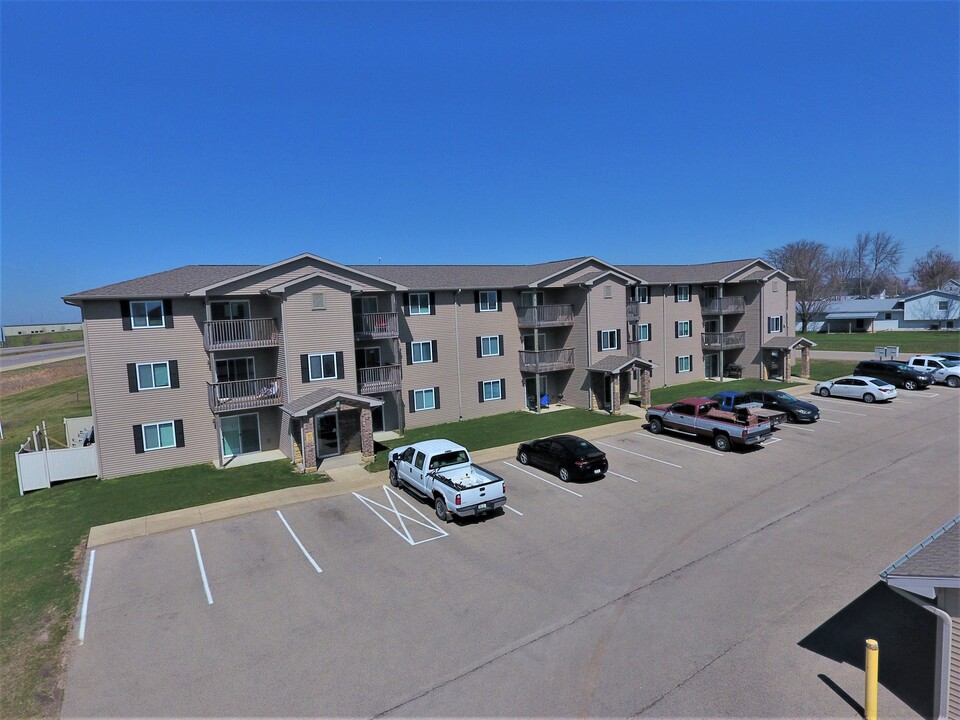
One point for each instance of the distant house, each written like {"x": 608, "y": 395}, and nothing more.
{"x": 951, "y": 286}
{"x": 930, "y": 310}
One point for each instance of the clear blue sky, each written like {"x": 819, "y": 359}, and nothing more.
{"x": 137, "y": 137}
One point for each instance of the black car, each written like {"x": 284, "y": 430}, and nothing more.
{"x": 567, "y": 456}
{"x": 796, "y": 410}
{"x": 897, "y": 373}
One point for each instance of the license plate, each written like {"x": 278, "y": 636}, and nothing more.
{"x": 596, "y": 471}
{"x": 482, "y": 506}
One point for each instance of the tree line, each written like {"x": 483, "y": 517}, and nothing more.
{"x": 865, "y": 269}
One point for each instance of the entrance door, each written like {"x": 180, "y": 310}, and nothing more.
{"x": 607, "y": 391}
{"x": 240, "y": 434}
{"x": 711, "y": 365}
{"x": 328, "y": 435}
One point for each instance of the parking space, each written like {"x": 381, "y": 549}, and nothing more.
{"x": 327, "y": 603}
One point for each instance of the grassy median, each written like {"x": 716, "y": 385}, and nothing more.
{"x": 910, "y": 342}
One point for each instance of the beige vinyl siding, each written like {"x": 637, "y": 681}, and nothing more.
{"x": 577, "y": 389}
{"x": 750, "y": 324}
{"x": 117, "y": 410}
{"x": 308, "y": 331}
{"x": 671, "y": 312}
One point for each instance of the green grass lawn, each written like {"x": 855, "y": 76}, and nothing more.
{"x": 43, "y": 338}
{"x": 706, "y": 388}
{"x": 43, "y": 534}
{"x": 827, "y": 369}
{"x": 910, "y": 342}
{"x": 515, "y": 427}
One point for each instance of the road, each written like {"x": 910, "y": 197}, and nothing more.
{"x": 17, "y": 357}
{"x": 684, "y": 583}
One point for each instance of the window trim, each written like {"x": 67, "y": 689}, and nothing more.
{"x": 152, "y": 365}
{"x": 336, "y": 369}
{"x": 643, "y": 294}
{"x": 422, "y": 392}
{"x": 483, "y": 298}
{"x": 681, "y": 324}
{"x": 420, "y": 344}
{"x": 489, "y": 339}
{"x": 173, "y": 428}
{"x": 491, "y": 383}
{"x": 640, "y": 327}
{"x": 774, "y": 319}
{"x": 689, "y": 363}
{"x": 605, "y": 339}
{"x": 682, "y": 296}
{"x": 146, "y": 315}
{"x": 421, "y": 308}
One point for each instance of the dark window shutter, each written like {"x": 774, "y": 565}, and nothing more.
{"x": 406, "y": 306}
{"x": 599, "y": 340}
{"x": 305, "y": 368}
{"x": 676, "y": 328}
{"x": 433, "y": 350}
{"x": 413, "y": 402}
{"x": 409, "y": 353}
{"x": 138, "y": 438}
{"x": 500, "y": 344}
{"x": 132, "y": 377}
{"x": 436, "y": 398}
{"x": 479, "y": 346}
{"x": 174, "y": 374}
{"x": 480, "y": 390}
{"x": 168, "y": 313}
{"x": 618, "y": 340}
{"x": 676, "y": 363}
{"x": 125, "y": 314}
{"x": 476, "y": 301}
{"x": 178, "y": 431}
{"x": 340, "y": 371}
{"x": 503, "y": 388}
{"x": 499, "y": 301}
{"x": 433, "y": 304}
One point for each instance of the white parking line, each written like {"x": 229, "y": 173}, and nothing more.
{"x": 86, "y": 597}
{"x": 794, "y": 427}
{"x": 771, "y": 441}
{"x": 631, "y": 452}
{"x": 391, "y": 494}
{"x": 685, "y": 446}
{"x": 297, "y": 541}
{"x": 898, "y": 401}
{"x": 512, "y": 510}
{"x": 610, "y": 472}
{"x": 561, "y": 487}
{"x": 926, "y": 395}
{"x": 203, "y": 573}
{"x": 835, "y": 422}
{"x": 842, "y": 412}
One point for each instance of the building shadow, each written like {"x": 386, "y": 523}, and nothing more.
{"x": 906, "y": 635}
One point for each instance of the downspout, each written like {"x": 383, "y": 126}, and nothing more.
{"x": 663, "y": 331}
{"x": 456, "y": 324}
{"x": 941, "y": 692}
{"x": 720, "y": 308}
{"x": 763, "y": 367}
{"x": 589, "y": 347}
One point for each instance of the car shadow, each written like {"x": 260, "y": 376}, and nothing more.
{"x": 906, "y": 635}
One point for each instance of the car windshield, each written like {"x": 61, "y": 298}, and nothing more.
{"x": 950, "y": 363}
{"x": 783, "y": 397}
{"x": 580, "y": 447}
{"x": 878, "y": 383}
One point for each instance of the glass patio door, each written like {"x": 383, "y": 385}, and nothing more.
{"x": 240, "y": 434}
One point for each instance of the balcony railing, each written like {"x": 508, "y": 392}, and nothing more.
{"x": 240, "y": 334}
{"x": 376, "y": 380}
{"x": 244, "y": 394}
{"x": 538, "y": 361}
{"x": 723, "y": 306}
{"x": 723, "y": 341}
{"x": 545, "y": 316}
{"x": 633, "y": 311}
{"x": 376, "y": 326}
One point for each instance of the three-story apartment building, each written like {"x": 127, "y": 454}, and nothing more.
{"x": 311, "y": 357}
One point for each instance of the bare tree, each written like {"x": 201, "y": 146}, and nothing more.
{"x": 934, "y": 269}
{"x": 875, "y": 256}
{"x": 812, "y": 263}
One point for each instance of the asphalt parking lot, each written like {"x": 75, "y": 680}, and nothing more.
{"x": 686, "y": 582}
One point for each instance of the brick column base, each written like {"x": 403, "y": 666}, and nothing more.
{"x": 645, "y": 382}
{"x": 309, "y": 446}
{"x": 805, "y": 363}
{"x": 366, "y": 435}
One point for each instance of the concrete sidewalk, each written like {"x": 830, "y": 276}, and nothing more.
{"x": 346, "y": 475}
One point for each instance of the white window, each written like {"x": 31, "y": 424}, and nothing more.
{"x": 159, "y": 435}
{"x": 641, "y": 294}
{"x": 776, "y": 286}
{"x": 609, "y": 340}
{"x": 683, "y": 293}
{"x": 942, "y": 305}
{"x": 489, "y": 345}
{"x": 607, "y": 291}
{"x": 151, "y": 376}
{"x": 775, "y": 324}
{"x": 492, "y": 390}
{"x": 643, "y": 332}
{"x": 319, "y": 301}
{"x": 424, "y": 400}
{"x": 421, "y": 352}
{"x": 488, "y": 301}
{"x": 419, "y": 303}
{"x": 684, "y": 363}
{"x": 146, "y": 313}
{"x": 683, "y": 328}
{"x": 323, "y": 366}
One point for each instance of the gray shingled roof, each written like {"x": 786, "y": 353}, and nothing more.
{"x": 301, "y": 406}
{"x": 787, "y": 343}
{"x": 168, "y": 283}
{"x": 617, "y": 363}
{"x": 938, "y": 556}
{"x": 692, "y": 274}
{"x": 466, "y": 277}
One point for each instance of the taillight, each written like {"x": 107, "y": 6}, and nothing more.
{"x": 743, "y": 433}
{"x": 504, "y": 488}
{"x": 458, "y": 499}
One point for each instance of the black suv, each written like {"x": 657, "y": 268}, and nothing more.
{"x": 894, "y": 372}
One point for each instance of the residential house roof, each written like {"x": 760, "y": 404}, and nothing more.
{"x": 933, "y": 562}
{"x": 692, "y": 274}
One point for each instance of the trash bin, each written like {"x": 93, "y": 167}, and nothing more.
{"x": 733, "y": 370}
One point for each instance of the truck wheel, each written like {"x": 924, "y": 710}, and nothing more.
{"x": 656, "y": 427}
{"x": 953, "y": 381}
{"x": 721, "y": 443}
{"x": 394, "y": 480}
{"x": 440, "y": 506}
{"x": 522, "y": 457}
{"x": 564, "y": 474}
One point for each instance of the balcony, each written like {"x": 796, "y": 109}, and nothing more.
{"x": 633, "y": 311}
{"x": 539, "y": 361}
{"x": 723, "y": 306}
{"x": 541, "y": 316}
{"x": 376, "y": 326}
{"x": 237, "y": 395}
{"x": 723, "y": 341}
{"x": 240, "y": 334}
{"x": 376, "y": 380}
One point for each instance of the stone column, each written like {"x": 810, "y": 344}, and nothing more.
{"x": 366, "y": 435}
{"x": 805, "y": 362}
{"x": 309, "y": 446}
{"x": 645, "y": 382}
{"x": 787, "y": 363}
{"x": 614, "y": 381}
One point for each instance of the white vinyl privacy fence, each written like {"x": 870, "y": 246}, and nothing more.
{"x": 38, "y": 465}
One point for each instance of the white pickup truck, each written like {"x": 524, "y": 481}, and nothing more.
{"x": 942, "y": 370}
{"x": 442, "y": 471}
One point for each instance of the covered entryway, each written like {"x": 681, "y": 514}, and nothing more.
{"x": 330, "y": 422}
{"x": 777, "y": 357}
{"x": 610, "y": 382}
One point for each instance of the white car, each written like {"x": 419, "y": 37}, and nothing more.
{"x": 941, "y": 369}
{"x": 858, "y": 387}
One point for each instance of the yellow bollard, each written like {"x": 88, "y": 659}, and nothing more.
{"x": 870, "y": 664}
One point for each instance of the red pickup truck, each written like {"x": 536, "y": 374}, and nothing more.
{"x": 703, "y": 416}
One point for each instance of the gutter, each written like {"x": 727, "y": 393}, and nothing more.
{"x": 456, "y": 325}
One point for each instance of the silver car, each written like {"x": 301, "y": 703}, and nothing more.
{"x": 858, "y": 387}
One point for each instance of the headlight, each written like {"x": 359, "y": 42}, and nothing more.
{"x": 803, "y": 412}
